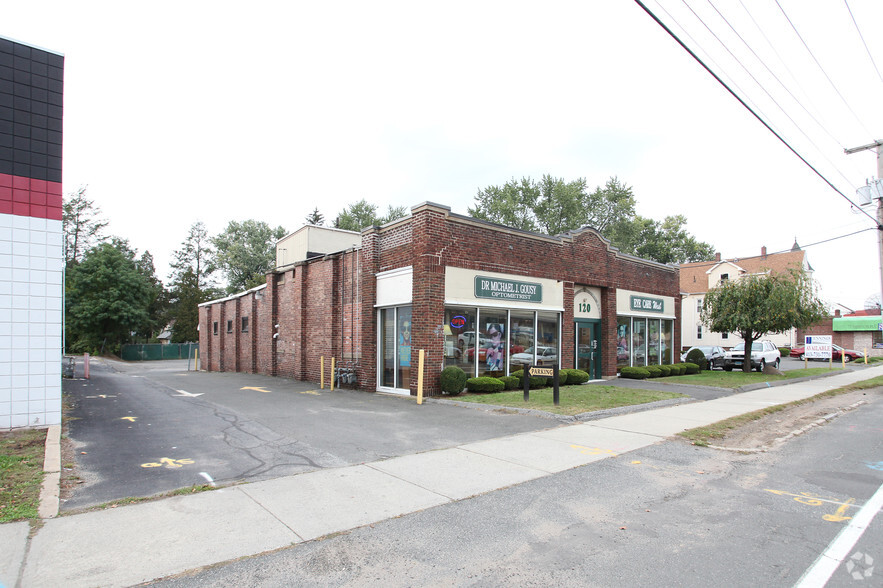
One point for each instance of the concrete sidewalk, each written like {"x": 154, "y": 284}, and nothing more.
{"x": 133, "y": 544}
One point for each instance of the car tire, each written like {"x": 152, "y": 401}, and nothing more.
{"x": 776, "y": 365}
{"x": 761, "y": 365}
{"x": 848, "y": 359}
{"x": 728, "y": 368}
{"x": 802, "y": 356}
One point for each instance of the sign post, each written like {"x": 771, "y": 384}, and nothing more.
{"x": 542, "y": 372}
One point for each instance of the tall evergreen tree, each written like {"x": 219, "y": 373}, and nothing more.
{"x": 82, "y": 225}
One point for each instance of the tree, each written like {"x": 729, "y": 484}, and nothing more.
{"x": 315, "y": 218}
{"x": 757, "y": 304}
{"x": 872, "y": 302}
{"x": 107, "y": 298}
{"x": 186, "y": 298}
{"x": 194, "y": 255}
{"x": 245, "y": 252}
{"x": 158, "y": 298}
{"x": 363, "y": 214}
{"x": 554, "y": 206}
{"x": 82, "y": 225}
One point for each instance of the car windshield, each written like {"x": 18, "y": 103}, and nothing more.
{"x": 754, "y": 347}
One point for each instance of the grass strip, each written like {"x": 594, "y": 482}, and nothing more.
{"x": 573, "y": 399}
{"x": 21, "y": 473}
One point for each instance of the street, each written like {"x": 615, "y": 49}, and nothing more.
{"x": 670, "y": 514}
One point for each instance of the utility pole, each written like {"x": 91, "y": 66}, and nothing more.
{"x": 878, "y": 147}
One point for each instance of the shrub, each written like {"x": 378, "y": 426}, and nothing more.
{"x": 563, "y": 377}
{"x": 654, "y": 370}
{"x": 509, "y": 382}
{"x": 484, "y": 384}
{"x": 452, "y": 380}
{"x": 691, "y": 368}
{"x": 682, "y": 368}
{"x": 577, "y": 377}
{"x": 635, "y": 373}
{"x": 697, "y": 357}
{"x": 665, "y": 369}
{"x": 785, "y": 351}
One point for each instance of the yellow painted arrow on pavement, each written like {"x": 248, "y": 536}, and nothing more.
{"x": 130, "y": 419}
{"x": 256, "y": 389}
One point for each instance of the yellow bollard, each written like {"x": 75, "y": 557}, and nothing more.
{"x": 332, "y": 373}
{"x": 420, "y": 378}
{"x": 196, "y": 359}
{"x": 866, "y": 356}
{"x": 321, "y": 372}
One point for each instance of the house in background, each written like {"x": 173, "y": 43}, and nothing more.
{"x": 699, "y": 277}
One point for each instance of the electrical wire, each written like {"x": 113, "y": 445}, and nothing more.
{"x": 858, "y": 30}
{"x": 752, "y": 111}
{"x": 830, "y": 81}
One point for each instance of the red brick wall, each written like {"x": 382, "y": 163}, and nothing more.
{"x": 325, "y": 307}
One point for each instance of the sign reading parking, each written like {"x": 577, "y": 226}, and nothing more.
{"x": 818, "y": 347}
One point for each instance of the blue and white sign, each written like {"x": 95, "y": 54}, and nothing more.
{"x": 818, "y": 346}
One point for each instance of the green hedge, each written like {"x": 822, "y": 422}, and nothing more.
{"x": 484, "y": 384}
{"x": 691, "y": 368}
{"x": 635, "y": 373}
{"x": 535, "y": 382}
{"x": 666, "y": 370}
{"x": 577, "y": 377}
{"x": 509, "y": 382}
{"x": 452, "y": 380}
{"x": 655, "y": 371}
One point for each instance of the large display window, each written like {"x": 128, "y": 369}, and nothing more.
{"x": 643, "y": 341}
{"x": 395, "y": 347}
{"x": 496, "y": 342}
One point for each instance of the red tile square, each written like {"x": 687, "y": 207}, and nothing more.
{"x": 5, "y": 193}
{"x": 21, "y": 195}
{"x": 53, "y": 200}
{"x": 53, "y": 213}
{"x": 38, "y": 211}
{"x": 21, "y": 183}
{"x": 38, "y": 198}
{"x": 5, "y": 206}
{"x": 38, "y": 185}
{"x": 6, "y": 180}
{"x": 54, "y": 188}
{"x": 21, "y": 208}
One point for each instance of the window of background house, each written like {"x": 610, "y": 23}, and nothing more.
{"x": 725, "y": 277}
{"x": 725, "y": 335}
{"x": 245, "y": 324}
{"x": 215, "y": 327}
{"x": 699, "y": 305}
{"x": 230, "y": 326}
{"x": 698, "y": 331}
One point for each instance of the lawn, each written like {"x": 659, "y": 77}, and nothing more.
{"x": 573, "y": 399}
{"x": 734, "y": 379}
{"x": 21, "y": 473}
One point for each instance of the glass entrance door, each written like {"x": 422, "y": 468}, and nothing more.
{"x": 588, "y": 352}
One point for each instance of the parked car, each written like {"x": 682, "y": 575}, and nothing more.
{"x": 837, "y": 352}
{"x": 467, "y": 340}
{"x": 714, "y": 355}
{"x": 545, "y": 356}
{"x": 762, "y": 353}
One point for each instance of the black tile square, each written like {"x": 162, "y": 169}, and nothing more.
{"x": 6, "y": 99}
{"x": 54, "y": 162}
{"x": 39, "y": 81}
{"x": 39, "y": 122}
{"x": 21, "y": 169}
{"x": 6, "y": 46}
{"x": 55, "y": 60}
{"x": 53, "y": 149}
{"x": 6, "y": 72}
{"x": 6, "y": 59}
{"x": 5, "y": 127}
{"x": 55, "y": 99}
{"x": 20, "y": 130}
{"x": 39, "y": 147}
{"x": 39, "y": 134}
{"x": 6, "y": 140}
{"x": 22, "y": 64}
{"x": 39, "y": 95}
{"x": 22, "y": 117}
{"x": 55, "y": 137}
{"x": 6, "y": 153}
{"x": 56, "y": 86}
{"x": 20, "y": 156}
{"x": 56, "y": 73}
{"x": 39, "y": 69}
{"x": 39, "y": 160}
{"x": 52, "y": 175}
{"x": 21, "y": 103}
{"x": 23, "y": 90}
{"x": 54, "y": 124}
{"x": 21, "y": 77}
{"x": 39, "y": 56}
{"x": 21, "y": 143}
{"x": 6, "y": 167}
{"x": 40, "y": 108}
{"x": 20, "y": 50}
{"x": 6, "y": 112}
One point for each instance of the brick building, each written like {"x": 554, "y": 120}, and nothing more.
{"x": 31, "y": 256}
{"x": 467, "y": 292}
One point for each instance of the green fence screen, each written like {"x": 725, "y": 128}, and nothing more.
{"x": 155, "y": 351}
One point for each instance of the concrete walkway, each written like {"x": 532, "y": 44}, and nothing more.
{"x": 133, "y": 544}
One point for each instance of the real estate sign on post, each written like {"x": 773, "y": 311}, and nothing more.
{"x": 818, "y": 346}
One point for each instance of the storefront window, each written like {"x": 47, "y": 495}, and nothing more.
{"x": 461, "y": 341}
{"x": 623, "y": 341}
{"x": 667, "y": 329}
{"x": 639, "y": 341}
{"x": 653, "y": 342}
{"x": 547, "y": 338}
{"x": 395, "y": 344}
{"x": 492, "y": 348}
{"x": 520, "y": 338}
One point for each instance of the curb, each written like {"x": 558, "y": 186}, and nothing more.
{"x": 49, "y": 492}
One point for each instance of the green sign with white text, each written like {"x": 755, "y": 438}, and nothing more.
{"x": 509, "y": 290}
{"x": 647, "y": 304}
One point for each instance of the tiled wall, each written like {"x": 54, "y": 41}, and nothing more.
{"x": 31, "y": 254}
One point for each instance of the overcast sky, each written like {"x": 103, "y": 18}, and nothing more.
{"x": 177, "y": 112}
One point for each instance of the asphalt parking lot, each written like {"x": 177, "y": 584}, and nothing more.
{"x": 141, "y": 429}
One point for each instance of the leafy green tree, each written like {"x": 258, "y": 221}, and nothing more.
{"x": 82, "y": 225}
{"x": 363, "y": 214}
{"x": 107, "y": 298}
{"x": 766, "y": 303}
{"x": 315, "y": 218}
{"x": 158, "y": 299}
{"x": 194, "y": 255}
{"x": 186, "y": 298}
{"x": 245, "y": 252}
{"x": 553, "y": 206}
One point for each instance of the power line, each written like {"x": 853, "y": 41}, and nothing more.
{"x": 742, "y": 102}
{"x": 858, "y": 30}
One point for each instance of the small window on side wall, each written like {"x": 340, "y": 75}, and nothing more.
{"x": 245, "y": 324}
{"x": 725, "y": 335}
{"x": 229, "y": 326}
{"x": 215, "y": 327}
{"x": 698, "y": 331}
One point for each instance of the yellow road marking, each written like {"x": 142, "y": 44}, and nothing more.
{"x": 130, "y": 419}
{"x": 593, "y": 450}
{"x": 838, "y": 517}
{"x": 256, "y": 389}
{"x": 313, "y": 392}
{"x": 168, "y": 463}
